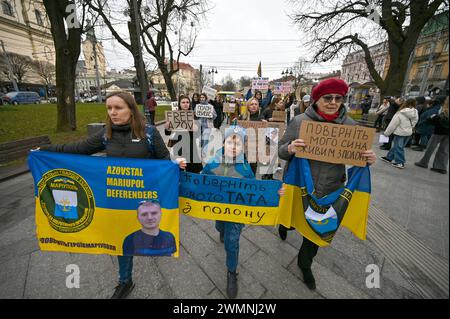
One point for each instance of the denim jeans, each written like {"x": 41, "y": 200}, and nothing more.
{"x": 232, "y": 232}
{"x": 125, "y": 268}
{"x": 397, "y": 152}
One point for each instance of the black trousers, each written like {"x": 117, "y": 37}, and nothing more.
{"x": 307, "y": 252}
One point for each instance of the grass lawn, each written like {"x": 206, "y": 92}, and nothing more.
{"x": 24, "y": 121}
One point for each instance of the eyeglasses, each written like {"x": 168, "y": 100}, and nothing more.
{"x": 329, "y": 98}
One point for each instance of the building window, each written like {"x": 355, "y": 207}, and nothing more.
{"x": 437, "y": 71}
{"x": 427, "y": 50}
{"x": 445, "y": 47}
{"x": 38, "y": 17}
{"x": 420, "y": 73}
{"x": 7, "y": 8}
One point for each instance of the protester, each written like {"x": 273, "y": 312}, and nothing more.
{"x": 328, "y": 106}
{"x": 401, "y": 126}
{"x": 206, "y": 124}
{"x": 218, "y": 107}
{"x": 394, "y": 105}
{"x": 253, "y": 114}
{"x": 424, "y": 127}
{"x": 125, "y": 135}
{"x": 230, "y": 161}
{"x": 288, "y": 103}
{"x": 439, "y": 138}
{"x": 195, "y": 100}
{"x": 365, "y": 107}
{"x": 303, "y": 105}
{"x": 381, "y": 112}
{"x": 187, "y": 139}
{"x": 150, "y": 108}
{"x": 276, "y": 105}
{"x": 421, "y": 106}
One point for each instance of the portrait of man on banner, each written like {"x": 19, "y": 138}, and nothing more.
{"x": 150, "y": 240}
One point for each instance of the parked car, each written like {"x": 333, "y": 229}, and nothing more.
{"x": 94, "y": 99}
{"x": 21, "y": 97}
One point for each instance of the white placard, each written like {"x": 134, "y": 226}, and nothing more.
{"x": 383, "y": 139}
{"x": 204, "y": 111}
{"x": 210, "y": 92}
{"x": 260, "y": 83}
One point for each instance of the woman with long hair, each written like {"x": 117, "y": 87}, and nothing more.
{"x": 124, "y": 135}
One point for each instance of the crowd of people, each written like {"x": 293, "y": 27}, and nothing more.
{"x": 419, "y": 120}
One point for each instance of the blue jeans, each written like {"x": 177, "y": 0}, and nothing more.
{"x": 397, "y": 152}
{"x": 125, "y": 268}
{"x": 232, "y": 232}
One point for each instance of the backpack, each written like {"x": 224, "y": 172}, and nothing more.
{"x": 149, "y": 133}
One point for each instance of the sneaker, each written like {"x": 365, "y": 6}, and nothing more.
{"x": 398, "y": 165}
{"x": 420, "y": 165}
{"x": 123, "y": 290}
{"x": 385, "y": 159}
{"x": 308, "y": 278}
{"x": 283, "y": 232}
{"x": 442, "y": 171}
{"x": 222, "y": 240}
{"x": 232, "y": 285}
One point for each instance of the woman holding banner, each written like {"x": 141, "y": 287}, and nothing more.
{"x": 328, "y": 106}
{"x": 206, "y": 123}
{"x": 125, "y": 135}
{"x": 194, "y": 163}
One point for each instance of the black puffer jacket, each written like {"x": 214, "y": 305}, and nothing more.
{"x": 121, "y": 144}
{"x": 327, "y": 177}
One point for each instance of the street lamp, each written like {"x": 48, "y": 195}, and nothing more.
{"x": 212, "y": 71}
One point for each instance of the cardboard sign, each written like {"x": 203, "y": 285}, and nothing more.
{"x": 204, "y": 111}
{"x": 260, "y": 83}
{"x": 174, "y": 106}
{"x": 229, "y": 107}
{"x": 278, "y": 116}
{"x": 334, "y": 143}
{"x": 279, "y": 125}
{"x": 180, "y": 120}
{"x": 210, "y": 92}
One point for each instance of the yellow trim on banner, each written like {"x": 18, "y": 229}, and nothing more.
{"x": 252, "y": 215}
{"x": 105, "y": 234}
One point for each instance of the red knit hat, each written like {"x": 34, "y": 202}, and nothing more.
{"x": 335, "y": 86}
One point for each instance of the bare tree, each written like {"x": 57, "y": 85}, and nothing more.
{"x": 66, "y": 31}
{"x": 46, "y": 71}
{"x": 334, "y": 27}
{"x": 21, "y": 65}
{"x": 163, "y": 23}
{"x": 245, "y": 81}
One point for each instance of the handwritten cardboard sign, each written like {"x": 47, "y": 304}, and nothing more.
{"x": 252, "y": 124}
{"x": 204, "y": 111}
{"x": 229, "y": 107}
{"x": 334, "y": 143}
{"x": 278, "y": 116}
{"x": 180, "y": 120}
{"x": 260, "y": 83}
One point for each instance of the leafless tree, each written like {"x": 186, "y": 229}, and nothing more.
{"x": 169, "y": 32}
{"x": 46, "y": 71}
{"x": 335, "y": 27}
{"x": 21, "y": 65}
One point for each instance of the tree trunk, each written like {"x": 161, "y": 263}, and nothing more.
{"x": 68, "y": 47}
{"x": 168, "y": 81}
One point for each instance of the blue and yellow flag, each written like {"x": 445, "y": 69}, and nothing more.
{"x": 239, "y": 200}
{"x": 88, "y": 204}
{"x": 318, "y": 219}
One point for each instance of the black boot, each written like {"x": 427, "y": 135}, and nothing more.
{"x": 308, "y": 278}
{"x": 283, "y": 232}
{"x": 232, "y": 285}
{"x": 123, "y": 290}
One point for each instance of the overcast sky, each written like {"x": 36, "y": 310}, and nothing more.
{"x": 236, "y": 36}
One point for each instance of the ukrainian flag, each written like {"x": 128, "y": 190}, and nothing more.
{"x": 318, "y": 219}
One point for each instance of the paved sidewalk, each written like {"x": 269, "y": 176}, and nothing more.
{"x": 413, "y": 202}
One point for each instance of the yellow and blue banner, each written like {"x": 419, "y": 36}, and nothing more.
{"x": 89, "y": 204}
{"x": 318, "y": 219}
{"x": 239, "y": 200}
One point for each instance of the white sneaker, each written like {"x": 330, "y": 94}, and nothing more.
{"x": 398, "y": 165}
